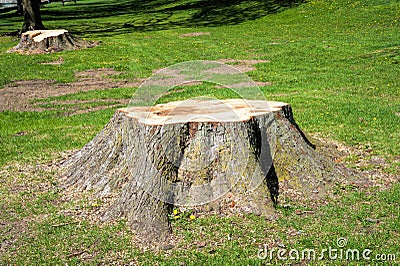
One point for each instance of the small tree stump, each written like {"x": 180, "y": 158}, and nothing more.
{"x": 228, "y": 156}
{"x": 46, "y": 41}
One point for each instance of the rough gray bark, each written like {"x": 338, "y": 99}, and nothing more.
{"x": 231, "y": 166}
{"x": 32, "y": 16}
{"x": 45, "y": 41}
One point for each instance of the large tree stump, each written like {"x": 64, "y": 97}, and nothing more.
{"x": 46, "y": 41}
{"x": 230, "y": 156}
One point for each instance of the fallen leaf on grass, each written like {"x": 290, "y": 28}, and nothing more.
{"x": 371, "y": 220}
{"x": 300, "y": 212}
{"x": 200, "y": 244}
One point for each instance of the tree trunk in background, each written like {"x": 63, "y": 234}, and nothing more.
{"x": 32, "y": 16}
{"x": 20, "y": 9}
{"x": 153, "y": 159}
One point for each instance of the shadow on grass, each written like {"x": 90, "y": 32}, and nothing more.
{"x": 107, "y": 18}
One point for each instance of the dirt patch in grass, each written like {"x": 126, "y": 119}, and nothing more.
{"x": 19, "y": 95}
{"x": 367, "y": 168}
{"x": 194, "y": 34}
{"x": 365, "y": 171}
{"x": 73, "y": 107}
{"x": 21, "y": 187}
{"x": 23, "y": 95}
{"x": 244, "y": 66}
{"x": 9, "y": 232}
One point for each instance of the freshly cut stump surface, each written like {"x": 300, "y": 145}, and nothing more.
{"x": 45, "y": 41}
{"x": 228, "y": 156}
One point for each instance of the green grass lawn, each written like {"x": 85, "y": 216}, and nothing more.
{"x": 336, "y": 62}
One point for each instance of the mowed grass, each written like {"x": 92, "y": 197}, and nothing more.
{"x": 335, "y": 62}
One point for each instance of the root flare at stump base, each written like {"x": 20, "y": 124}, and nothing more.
{"x": 230, "y": 156}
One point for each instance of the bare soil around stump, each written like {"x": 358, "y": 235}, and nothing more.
{"x": 23, "y": 95}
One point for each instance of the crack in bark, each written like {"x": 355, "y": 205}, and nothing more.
{"x": 259, "y": 142}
